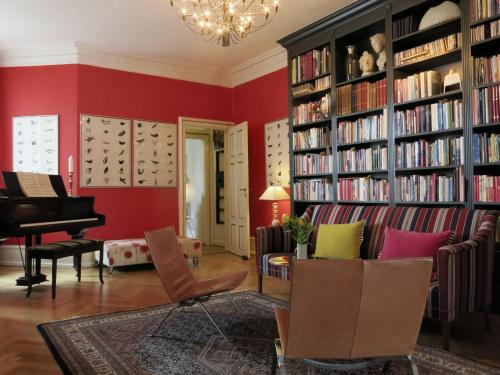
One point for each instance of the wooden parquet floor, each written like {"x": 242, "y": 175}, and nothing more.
{"x": 23, "y": 351}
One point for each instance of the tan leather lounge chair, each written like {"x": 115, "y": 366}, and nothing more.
{"x": 347, "y": 310}
{"x": 179, "y": 283}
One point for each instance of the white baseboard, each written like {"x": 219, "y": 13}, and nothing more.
{"x": 9, "y": 256}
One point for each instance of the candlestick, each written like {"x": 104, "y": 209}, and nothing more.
{"x": 70, "y": 180}
{"x": 71, "y": 166}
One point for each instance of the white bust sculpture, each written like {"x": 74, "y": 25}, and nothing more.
{"x": 378, "y": 44}
{"x": 366, "y": 63}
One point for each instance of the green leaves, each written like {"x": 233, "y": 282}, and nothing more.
{"x": 299, "y": 228}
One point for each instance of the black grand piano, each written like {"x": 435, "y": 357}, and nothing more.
{"x": 29, "y": 217}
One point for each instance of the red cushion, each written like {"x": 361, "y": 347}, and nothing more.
{"x": 404, "y": 244}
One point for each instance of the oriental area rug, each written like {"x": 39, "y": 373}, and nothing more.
{"x": 121, "y": 343}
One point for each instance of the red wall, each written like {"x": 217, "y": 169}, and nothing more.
{"x": 69, "y": 90}
{"x": 260, "y": 101}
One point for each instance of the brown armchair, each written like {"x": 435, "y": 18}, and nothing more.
{"x": 179, "y": 283}
{"x": 355, "y": 309}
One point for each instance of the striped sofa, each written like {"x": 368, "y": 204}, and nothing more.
{"x": 464, "y": 276}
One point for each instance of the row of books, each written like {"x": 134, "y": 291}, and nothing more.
{"x": 486, "y": 69}
{"x": 310, "y": 64}
{"x": 404, "y": 26}
{"x": 313, "y": 190}
{"x": 363, "y": 129}
{"x": 428, "y": 50}
{"x": 363, "y": 189}
{"x": 486, "y": 105}
{"x": 418, "y": 86}
{"x": 308, "y": 164}
{"x": 361, "y": 96}
{"x": 486, "y": 147}
{"x": 484, "y": 9}
{"x": 485, "y": 31}
{"x": 312, "y": 111}
{"x": 364, "y": 159}
{"x": 486, "y": 188}
{"x": 312, "y": 138}
{"x": 431, "y": 188}
{"x": 308, "y": 88}
{"x": 446, "y": 114}
{"x": 425, "y": 153}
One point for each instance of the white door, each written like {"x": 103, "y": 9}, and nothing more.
{"x": 239, "y": 200}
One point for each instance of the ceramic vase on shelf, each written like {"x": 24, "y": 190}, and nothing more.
{"x": 351, "y": 63}
{"x": 301, "y": 251}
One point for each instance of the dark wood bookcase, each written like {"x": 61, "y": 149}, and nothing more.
{"x": 354, "y": 25}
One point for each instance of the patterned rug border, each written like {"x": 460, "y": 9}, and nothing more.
{"x": 66, "y": 370}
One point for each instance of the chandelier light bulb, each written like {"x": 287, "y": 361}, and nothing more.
{"x": 225, "y": 21}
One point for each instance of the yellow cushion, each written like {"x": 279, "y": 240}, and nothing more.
{"x": 339, "y": 241}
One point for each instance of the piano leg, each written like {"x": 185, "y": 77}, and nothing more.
{"x": 78, "y": 266}
{"x": 38, "y": 277}
{"x": 54, "y": 277}
{"x": 29, "y": 263}
{"x": 101, "y": 259}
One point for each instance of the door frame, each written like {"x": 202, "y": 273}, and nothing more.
{"x": 181, "y": 157}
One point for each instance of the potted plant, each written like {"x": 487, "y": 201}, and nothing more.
{"x": 300, "y": 230}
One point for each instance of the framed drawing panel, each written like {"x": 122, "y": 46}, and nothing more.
{"x": 155, "y": 154}
{"x": 277, "y": 153}
{"x": 35, "y": 145}
{"x": 104, "y": 151}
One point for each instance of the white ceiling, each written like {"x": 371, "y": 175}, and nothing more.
{"x": 146, "y": 28}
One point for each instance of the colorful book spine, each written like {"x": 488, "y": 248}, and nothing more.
{"x": 486, "y": 70}
{"x": 362, "y": 160}
{"x": 442, "y": 115}
{"x": 485, "y": 31}
{"x": 484, "y": 8}
{"x": 363, "y": 189}
{"x": 486, "y": 148}
{"x": 312, "y": 111}
{"x": 313, "y": 63}
{"x": 310, "y": 164}
{"x": 313, "y": 190}
{"x": 361, "y": 96}
{"x": 486, "y": 105}
{"x": 312, "y": 138}
{"x": 431, "y": 188}
{"x": 424, "y": 153}
{"x": 486, "y": 188}
{"x": 363, "y": 129}
{"x": 428, "y": 50}
{"x": 417, "y": 86}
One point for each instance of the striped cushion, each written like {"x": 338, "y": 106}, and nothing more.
{"x": 463, "y": 222}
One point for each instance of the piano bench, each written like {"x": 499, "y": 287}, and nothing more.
{"x": 56, "y": 250}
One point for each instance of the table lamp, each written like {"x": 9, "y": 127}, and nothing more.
{"x": 275, "y": 193}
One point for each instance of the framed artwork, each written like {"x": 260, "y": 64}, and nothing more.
{"x": 104, "y": 151}
{"x": 277, "y": 153}
{"x": 155, "y": 154}
{"x": 35, "y": 144}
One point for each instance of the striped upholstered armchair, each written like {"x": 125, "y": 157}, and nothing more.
{"x": 463, "y": 281}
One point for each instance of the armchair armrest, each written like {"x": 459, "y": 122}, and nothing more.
{"x": 466, "y": 270}
{"x": 272, "y": 240}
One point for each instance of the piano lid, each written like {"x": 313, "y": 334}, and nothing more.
{"x": 14, "y": 189}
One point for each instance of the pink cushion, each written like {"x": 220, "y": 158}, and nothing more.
{"x": 404, "y": 244}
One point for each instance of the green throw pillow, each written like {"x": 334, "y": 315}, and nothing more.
{"x": 339, "y": 241}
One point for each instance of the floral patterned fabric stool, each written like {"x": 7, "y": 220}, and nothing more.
{"x": 135, "y": 251}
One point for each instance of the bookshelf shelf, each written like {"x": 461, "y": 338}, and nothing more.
{"x": 489, "y": 126}
{"x": 428, "y": 134}
{"x": 311, "y": 79}
{"x": 431, "y": 62}
{"x": 361, "y": 173}
{"x": 427, "y": 169}
{"x": 360, "y": 113}
{"x": 314, "y": 175}
{"x": 374, "y": 76}
{"x": 310, "y": 95}
{"x": 485, "y": 45}
{"x": 311, "y": 124}
{"x": 429, "y": 33}
{"x": 419, "y": 203}
{"x": 487, "y": 165}
{"x": 360, "y": 143}
{"x": 364, "y": 202}
{"x": 312, "y": 149}
{"x": 494, "y": 204}
{"x": 485, "y": 20}
{"x": 312, "y": 201}
{"x": 484, "y": 85}
{"x": 445, "y": 95}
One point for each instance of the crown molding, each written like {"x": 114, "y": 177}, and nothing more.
{"x": 258, "y": 66}
{"x": 58, "y": 53}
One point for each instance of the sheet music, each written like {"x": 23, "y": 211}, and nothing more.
{"x": 36, "y": 184}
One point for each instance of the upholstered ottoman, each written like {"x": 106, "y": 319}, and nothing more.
{"x": 135, "y": 251}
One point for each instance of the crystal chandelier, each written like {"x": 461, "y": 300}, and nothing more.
{"x": 225, "y": 20}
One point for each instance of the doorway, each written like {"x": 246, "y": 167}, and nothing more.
{"x": 213, "y": 185}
